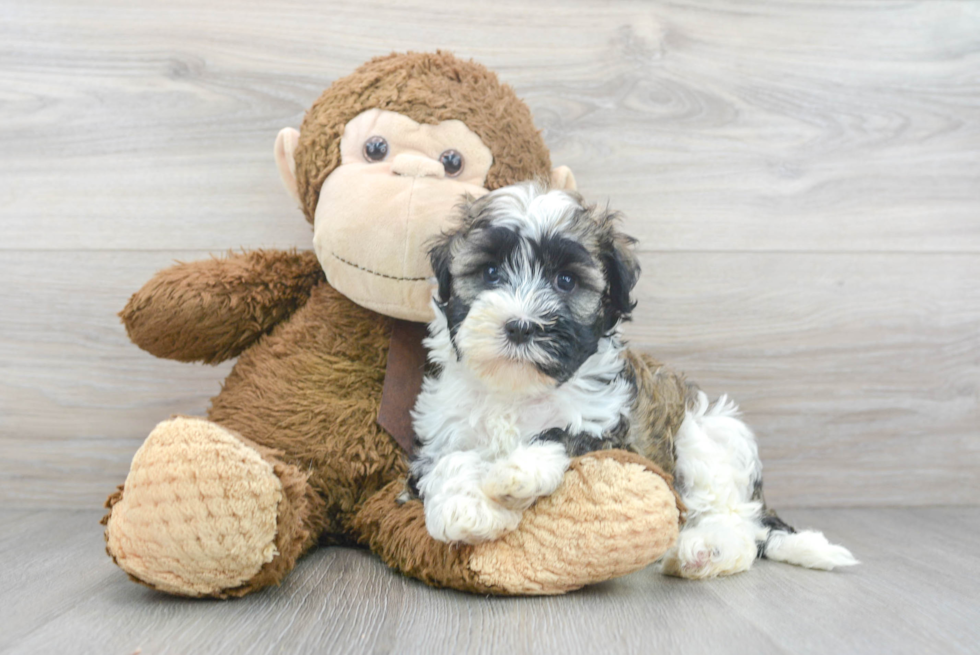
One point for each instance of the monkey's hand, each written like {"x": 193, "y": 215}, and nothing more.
{"x": 211, "y": 310}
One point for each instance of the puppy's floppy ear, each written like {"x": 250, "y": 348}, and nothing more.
{"x": 441, "y": 248}
{"x": 440, "y": 257}
{"x": 621, "y": 268}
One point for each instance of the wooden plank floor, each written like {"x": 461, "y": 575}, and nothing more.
{"x": 915, "y": 592}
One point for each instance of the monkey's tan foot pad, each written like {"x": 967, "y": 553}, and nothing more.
{"x": 198, "y": 512}
{"x": 614, "y": 514}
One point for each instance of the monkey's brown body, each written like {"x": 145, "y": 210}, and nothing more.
{"x": 291, "y": 454}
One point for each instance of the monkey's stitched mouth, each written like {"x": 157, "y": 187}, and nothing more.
{"x": 368, "y": 270}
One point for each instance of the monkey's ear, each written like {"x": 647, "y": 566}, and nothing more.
{"x": 285, "y": 159}
{"x": 440, "y": 258}
{"x": 562, "y": 178}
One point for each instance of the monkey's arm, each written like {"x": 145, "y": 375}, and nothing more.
{"x": 211, "y": 310}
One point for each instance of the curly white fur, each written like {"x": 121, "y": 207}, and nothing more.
{"x": 716, "y": 471}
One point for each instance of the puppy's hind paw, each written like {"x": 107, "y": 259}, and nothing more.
{"x": 701, "y": 553}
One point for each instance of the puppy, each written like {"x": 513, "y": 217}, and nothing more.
{"x": 528, "y": 369}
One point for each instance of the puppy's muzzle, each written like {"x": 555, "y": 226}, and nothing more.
{"x": 519, "y": 332}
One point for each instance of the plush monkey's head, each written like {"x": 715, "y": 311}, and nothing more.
{"x": 384, "y": 156}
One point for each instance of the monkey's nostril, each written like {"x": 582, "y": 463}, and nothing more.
{"x": 416, "y": 166}
{"x": 518, "y": 331}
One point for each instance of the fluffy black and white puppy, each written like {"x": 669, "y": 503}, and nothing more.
{"x": 529, "y": 370}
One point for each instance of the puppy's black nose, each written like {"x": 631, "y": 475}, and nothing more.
{"x": 518, "y": 331}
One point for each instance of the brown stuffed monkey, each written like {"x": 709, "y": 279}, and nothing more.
{"x": 292, "y": 454}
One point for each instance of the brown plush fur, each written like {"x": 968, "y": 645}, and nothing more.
{"x": 212, "y": 310}
{"x": 311, "y": 390}
{"x": 397, "y": 533}
{"x": 428, "y": 88}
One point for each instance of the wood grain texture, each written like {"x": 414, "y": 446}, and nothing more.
{"x": 803, "y": 176}
{"x": 913, "y": 593}
{"x": 844, "y": 365}
{"x": 799, "y": 126}
{"x": 859, "y": 373}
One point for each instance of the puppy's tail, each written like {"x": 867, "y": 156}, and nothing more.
{"x": 781, "y": 542}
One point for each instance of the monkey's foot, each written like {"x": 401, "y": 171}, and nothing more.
{"x": 613, "y": 514}
{"x": 203, "y": 513}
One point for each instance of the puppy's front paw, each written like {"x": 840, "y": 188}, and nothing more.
{"x": 707, "y": 553}
{"x": 525, "y": 476}
{"x": 513, "y": 487}
{"x": 469, "y": 519}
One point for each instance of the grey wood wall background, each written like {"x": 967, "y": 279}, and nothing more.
{"x": 804, "y": 177}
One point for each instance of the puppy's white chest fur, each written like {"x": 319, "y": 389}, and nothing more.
{"x": 458, "y": 411}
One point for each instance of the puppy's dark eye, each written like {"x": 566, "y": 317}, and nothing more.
{"x": 452, "y": 161}
{"x": 375, "y": 148}
{"x": 565, "y": 282}
{"x": 491, "y": 274}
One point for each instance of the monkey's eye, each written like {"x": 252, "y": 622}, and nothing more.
{"x": 375, "y": 149}
{"x": 452, "y": 161}
{"x": 565, "y": 282}
{"x": 491, "y": 274}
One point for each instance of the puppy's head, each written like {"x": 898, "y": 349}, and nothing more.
{"x": 529, "y": 284}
